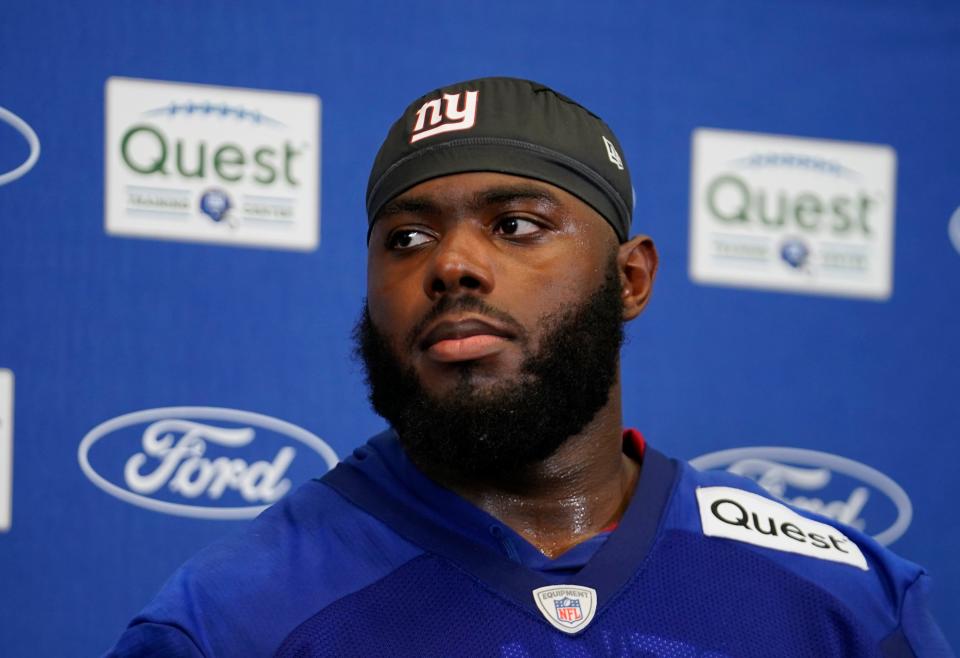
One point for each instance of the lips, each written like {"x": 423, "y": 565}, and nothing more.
{"x": 464, "y": 340}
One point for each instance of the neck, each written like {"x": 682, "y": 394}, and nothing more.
{"x": 570, "y": 496}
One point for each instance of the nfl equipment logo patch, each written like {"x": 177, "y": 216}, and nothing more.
{"x": 568, "y": 608}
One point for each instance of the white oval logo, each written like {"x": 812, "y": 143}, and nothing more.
{"x": 24, "y": 129}
{"x": 794, "y": 475}
{"x": 200, "y": 461}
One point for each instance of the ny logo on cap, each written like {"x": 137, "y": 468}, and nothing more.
{"x": 453, "y": 116}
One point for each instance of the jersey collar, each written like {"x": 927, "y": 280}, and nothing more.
{"x": 380, "y": 479}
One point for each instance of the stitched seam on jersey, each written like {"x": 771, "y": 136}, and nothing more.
{"x": 899, "y": 625}
{"x": 169, "y": 624}
{"x": 189, "y": 637}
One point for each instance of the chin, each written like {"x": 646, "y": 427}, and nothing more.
{"x": 491, "y": 370}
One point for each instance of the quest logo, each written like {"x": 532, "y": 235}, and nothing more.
{"x": 203, "y": 462}
{"x": 22, "y": 127}
{"x": 794, "y": 214}
{"x": 212, "y": 164}
{"x": 833, "y": 486}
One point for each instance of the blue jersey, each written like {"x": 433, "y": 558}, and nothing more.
{"x": 375, "y": 559}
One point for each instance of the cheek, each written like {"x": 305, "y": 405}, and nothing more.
{"x": 549, "y": 288}
{"x": 392, "y": 300}
{"x": 580, "y": 265}
{"x": 586, "y": 252}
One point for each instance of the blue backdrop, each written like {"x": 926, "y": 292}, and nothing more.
{"x": 95, "y": 326}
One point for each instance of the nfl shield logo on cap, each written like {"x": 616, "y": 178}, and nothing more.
{"x": 568, "y": 608}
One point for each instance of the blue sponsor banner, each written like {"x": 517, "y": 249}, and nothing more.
{"x": 180, "y": 342}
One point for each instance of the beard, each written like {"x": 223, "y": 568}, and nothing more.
{"x": 476, "y": 431}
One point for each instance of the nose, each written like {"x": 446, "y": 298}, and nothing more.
{"x": 460, "y": 263}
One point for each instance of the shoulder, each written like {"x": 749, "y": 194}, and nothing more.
{"x": 844, "y": 563}
{"x": 242, "y": 595}
{"x": 727, "y": 506}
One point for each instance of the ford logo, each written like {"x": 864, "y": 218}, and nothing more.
{"x": 24, "y": 129}
{"x": 833, "y": 486}
{"x": 202, "y": 462}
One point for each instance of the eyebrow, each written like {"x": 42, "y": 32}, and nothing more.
{"x": 413, "y": 205}
{"x": 500, "y": 195}
{"x": 521, "y": 192}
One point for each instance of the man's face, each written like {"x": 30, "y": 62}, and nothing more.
{"x": 493, "y": 320}
{"x": 526, "y": 249}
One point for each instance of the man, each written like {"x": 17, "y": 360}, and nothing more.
{"x": 507, "y": 512}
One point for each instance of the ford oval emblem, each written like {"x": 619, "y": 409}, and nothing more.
{"x": 203, "y": 462}
{"x": 834, "y": 486}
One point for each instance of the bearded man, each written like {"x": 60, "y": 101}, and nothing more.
{"x": 507, "y": 512}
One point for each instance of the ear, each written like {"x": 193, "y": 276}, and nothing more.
{"x": 638, "y": 262}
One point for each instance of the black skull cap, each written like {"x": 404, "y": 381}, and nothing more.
{"x": 509, "y": 126}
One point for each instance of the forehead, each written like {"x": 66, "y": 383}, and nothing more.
{"x": 475, "y": 191}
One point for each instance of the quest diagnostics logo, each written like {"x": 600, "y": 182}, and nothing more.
{"x": 787, "y": 213}
{"x": 836, "y": 487}
{"x": 212, "y": 164}
{"x": 203, "y": 462}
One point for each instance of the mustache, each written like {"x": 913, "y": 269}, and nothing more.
{"x": 462, "y": 303}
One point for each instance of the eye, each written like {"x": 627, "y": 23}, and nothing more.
{"x": 517, "y": 226}
{"x": 407, "y": 239}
